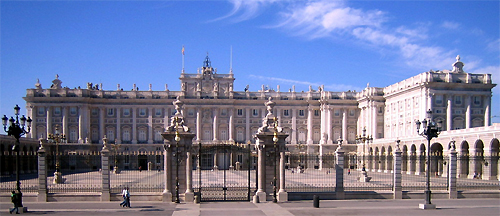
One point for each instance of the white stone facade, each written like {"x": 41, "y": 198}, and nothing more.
{"x": 217, "y": 113}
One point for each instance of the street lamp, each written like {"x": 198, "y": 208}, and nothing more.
{"x": 431, "y": 130}
{"x": 363, "y": 139}
{"x": 116, "y": 147}
{"x": 275, "y": 140}
{"x": 177, "y": 159}
{"x": 57, "y": 138}
{"x": 16, "y": 129}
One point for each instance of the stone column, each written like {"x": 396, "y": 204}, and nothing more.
{"x": 105, "y": 193}
{"x": 167, "y": 174}
{"x": 487, "y": 110}
{"x": 310, "y": 125}
{"x": 42, "y": 173}
{"x": 282, "y": 194}
{"x": 448, "y": 113}
{"x": 247, "y": 124}
{"x": 150, "y": 125}
{"x": 64, "y": 120}
{"x": 134, "y": 111}
{"x": 294, "y": 126}
{"x": 473, "y": 163}
{"x": 81, "y": 124}
{"x": 344, "y": 124}
{"x": 329, "y": 125}
{"x": 215, "y": 125}
{"x": 198, "y": 124}
{"x": 101, "y": 123}
{"x": 230, "y": 129}
{"x": 261, "y": 171}
{"x": 419, "y": 163}
{"x": 118, "y": 126}
{"x": 397, "y": 188}
{"x": 467, "y": 111}
{"x": 452, "y": 173}
{"x": 49, "y": 121}
{"x": 189, "y": 195}
{"x": 339, "y": 172}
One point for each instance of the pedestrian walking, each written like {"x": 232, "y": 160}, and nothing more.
{"x": 349, "y": 172}
{"x": 126, "y": 198}
{"x": 14, "y": 198}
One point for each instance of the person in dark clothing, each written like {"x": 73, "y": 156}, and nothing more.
{"x": 15, "y": 200}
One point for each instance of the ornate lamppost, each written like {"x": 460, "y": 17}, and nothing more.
{"x": 364, "y": 139}
{"x": 275, "y": 140}
{"x": 57, "y": 138}
{"x": 431, "y": 130}
{"x": 17, "y": 129}
{"x": 177, "y": 156}
{"x": 116, "y": 147}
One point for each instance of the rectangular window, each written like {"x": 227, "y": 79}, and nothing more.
{"x": 111, "y": 111}
{"x": 301, "y": 112}
{"x": 351, "y": 112}
{"x": 381, "y": 110}
{"x": 458, "y": 99}
{"x": 72, "y": 110}
{"x": 239, "y": 112}
{"x": 126, "y": 112}
{"x": 477, "y": 100}
{"x": 316, "y": 112}
{"x": 158, "y": 159}
{"x": 95, "y": 112}
{"x": 286, "y": 112}
{"x": 41, "y": 111}
{"x": 337, "y": 112}
{"x": 57, "y": 110}
{"x": 255, "y": 112}
{"x": 439, "y": 99}
{"x": 158, "y": 112}
{"x": 223, "y": 112}
{"x": 142, "y": 111}
{"x": 191, "y": 112}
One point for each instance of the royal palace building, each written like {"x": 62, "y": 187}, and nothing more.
{"x": 316, "y": 118}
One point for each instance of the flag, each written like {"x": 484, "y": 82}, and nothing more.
{"x": 182, "y": 50}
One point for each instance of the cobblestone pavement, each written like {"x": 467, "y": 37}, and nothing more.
{"x": 327, "y": 207}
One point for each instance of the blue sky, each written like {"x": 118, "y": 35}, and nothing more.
{"x": 340, "y": 44}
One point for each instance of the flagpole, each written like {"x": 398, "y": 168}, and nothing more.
{"x": 182, "y": 59}
{"x": 231, "y": 61}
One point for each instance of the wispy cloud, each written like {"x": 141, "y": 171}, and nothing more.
{"x": 450, "y": 25}
{"x": 331, "y": 87}
{"x": 326, "y": 19}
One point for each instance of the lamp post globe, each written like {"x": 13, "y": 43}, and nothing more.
{"x": 17, "y": 128}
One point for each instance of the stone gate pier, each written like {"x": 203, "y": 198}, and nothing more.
{"x": 271, "y": 158}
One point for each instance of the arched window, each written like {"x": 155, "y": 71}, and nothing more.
{"x": 110, "y": 134}
{"x": 73, "y": 135}
{"x": 239, "y": 135}
{"x": 126, "y": 134}
{"x": 223, "y": 135}
{"x": 142, "y": 135}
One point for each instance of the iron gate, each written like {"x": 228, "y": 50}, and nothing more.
{"x": 225, "y": 172}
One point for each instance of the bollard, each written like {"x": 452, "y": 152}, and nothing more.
{"x": 256, "y": 199}
{"x": 197, "y": 199}
{"x": 316, "y": 201}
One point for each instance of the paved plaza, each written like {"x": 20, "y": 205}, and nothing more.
{"x": 327, "y": 207}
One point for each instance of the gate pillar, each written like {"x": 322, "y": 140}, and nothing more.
{"x": 178, "y": 166}
{"x": 271, "y": 147}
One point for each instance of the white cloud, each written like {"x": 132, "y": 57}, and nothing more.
{"x": 450, "y": 25}
{"x": 331, "y": 87}
{"x": 324, "y": 19}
